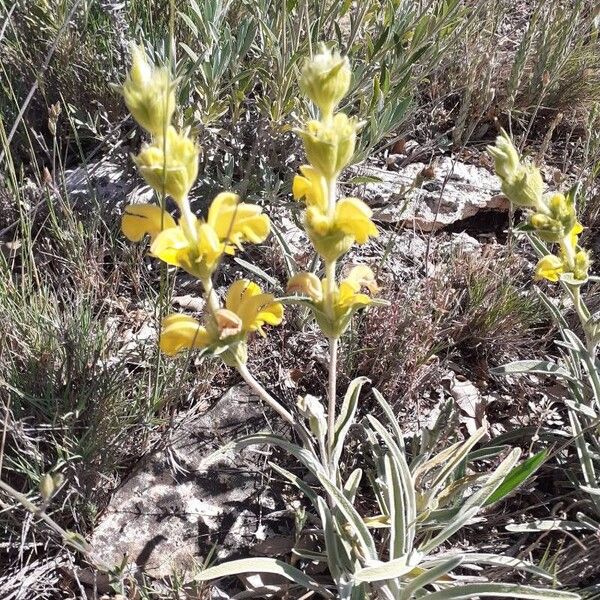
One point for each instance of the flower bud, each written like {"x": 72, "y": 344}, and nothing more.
{"x": 557, "y": 221}
{"x": 325, "y": 80}
{"x": 149, "y": 93}
{"x": 308, "y": 284}
{"x": 522, "y": 183}
{"x": 330, "y": 146}
{"x": 311, "y": 408}
{"x": 506, "y": 157}
{"x": 582, "y": 265}
{"x": 170, "y": 164}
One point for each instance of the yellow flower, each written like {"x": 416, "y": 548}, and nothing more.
{"x": 333, "y": 314}
{"x": 549, "y": 267}
{"x": 247, "y": 309}
{"x": 325, "y": 79}
{"x": 252, "y": 306}
{"x": 311, "y": 186}
{"x": 332, "y": 237}
{"x": 330, "y": 145}
{"x": 145, "y": 219}
{"x": 170, "y": 164}
{"x": 149, "y": 93}
{"x": 193, "y": 245}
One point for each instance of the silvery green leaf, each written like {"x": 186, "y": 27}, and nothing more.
{"x": 498, "y": 560}
{"x": 392, "y": 569}
{"x": 546, "y": 525}
{"x": 352, "y": 483}
{"x": 500, "y": 590}
{"x": 355, "y": 521}
{"x": 263, "y": 565}
{"x": 406, "y": 478}
{"x": 346, "y": 418}
{"x": 257, "y": 271}
{"x": 431, "y": 575}
{"x": 391, "y": 417}
{"x": 299, "y": 483}
{"x": 397, "y": 508}
{"x": 543, "y": 367}
{"x": 474, "y": 503}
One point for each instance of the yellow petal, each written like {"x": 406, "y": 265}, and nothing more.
{"x": 181, "y": 332}
{"x": 254, "y": 308}
{"x": 310, "y": 186}
{"x": 238, "y": 291}
{"x": 353, "y": 217}
{"x": 306, "y": 283}
{"x": 172, "y": 247}
{"x": 363, "y": 276}
{"x": 549, "y": 267}
{"x": 145, "y": 219}
{"x": 237, "y": 222}
{"x": 349, "y": 298}
{"x": 210, "y": 248}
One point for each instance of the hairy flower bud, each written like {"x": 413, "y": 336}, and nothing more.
{"x": 325, "y": 80}
{"x": 330, "y": 146}
{"x": 149, "y": 93}
{"x": 311, "y": 408}
{"x": 522, "y": 183}
{"x": 557, "y": 221}
{"x": 308, "y": 284}
{"x": 170, "y": 164}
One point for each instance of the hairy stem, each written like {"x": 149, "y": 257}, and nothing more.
{"x": 333, "y": 351}
{"x": 276, "y": 406}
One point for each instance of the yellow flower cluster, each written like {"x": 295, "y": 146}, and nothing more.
{"x": 225, "y": 332}
{"x": 169, "y": 164}
{"x": 332, "y": 225}
{"x": 553, "y": 217}
{"x": 347, "y": 297}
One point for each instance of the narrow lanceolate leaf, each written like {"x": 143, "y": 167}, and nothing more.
{"x": 546, "y": 525}
{"x": 346, "y": 417}
{"x": 430, "y": 576}
{"x": 497, "y": 560}
{"x": 354, "y": 520}
{"x": 263, "y": 565}
{"x": 391, "y": 417}
{"x": 337, "y": 558}
{"x": 542, "y": 367}
{"x": 307, "y": 458}
{"x": 352, "y": 483}
{"x": 474, "y": 503}
{"x": 387, "y": 570}
{"x": 396, "y": 507}
{"x": 299, "y": 483}
{"x": 500, "y": 590}
{"x": 407, "y": 481}
{"x": 517, "y": 476}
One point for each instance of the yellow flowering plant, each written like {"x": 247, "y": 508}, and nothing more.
{"x": 553, "y": 229}
{"x": 360, "y": 566}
